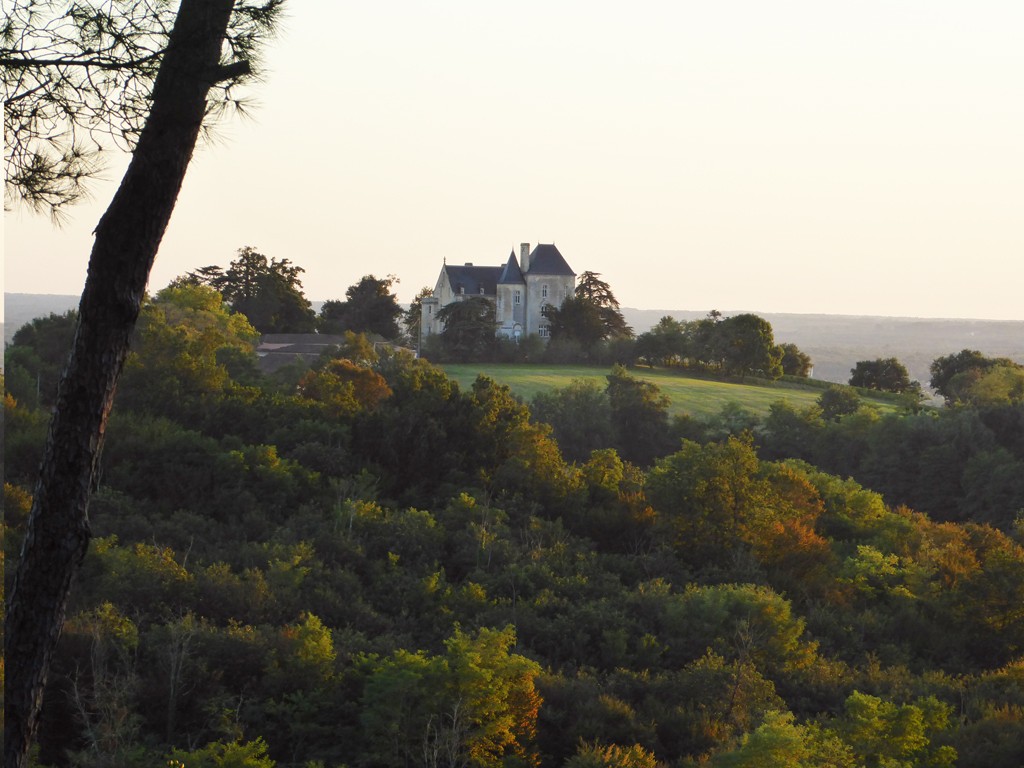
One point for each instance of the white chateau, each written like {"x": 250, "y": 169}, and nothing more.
{"x": 520, "y": 289}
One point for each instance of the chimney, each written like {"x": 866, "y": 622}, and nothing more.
{"x": 524, "y": 257}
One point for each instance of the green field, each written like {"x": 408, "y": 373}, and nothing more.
{"x": 699, "y": 398}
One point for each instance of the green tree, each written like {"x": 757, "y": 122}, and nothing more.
{"x": 612, "y": 756}
{"x": 192, "y": 60}
{"x": 475, "y": 705}
{"x": 790, "y": 433}
{"x": 35, "y": 357}
{"x": 836, "y": 402}
{"x": 748, "y": 347}
{"x": 580, "y": 416}
{"x": 884, "y": 734}
{"x": 221, "y": 754}
{"x": 591, "y": 315}
{"x": 639, "y": 415}
{"x": 779, "y": 742}
{"x": 708, "y": 344}
{"x": 945, "y": 369}
{"x": 369, "y": 307}
{"x": 469, "y": 327}
{"x": 998, "y": 384}
{"x": 267, "y": 291}
{"x": 794, "y": 361}
{"x": 884, "y": 374}
{"x": 666, "y": 344}
{"x": 413, "y": 317}
{"x": 187, "y": 346}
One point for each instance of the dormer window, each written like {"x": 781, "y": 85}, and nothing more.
{"x": 462, "y": 290}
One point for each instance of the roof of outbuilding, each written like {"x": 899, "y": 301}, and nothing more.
{"x": 546, "y": 260}
{"x": 511, "y": 273}
{"x": 471, "y": 279}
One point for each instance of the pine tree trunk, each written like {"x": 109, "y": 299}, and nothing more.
{"x": 126, "y": 242}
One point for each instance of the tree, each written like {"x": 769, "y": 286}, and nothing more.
{"x": 707, "y": 346}
{"x": 126, "y": 241}
{"x": 999, "y": 385}
{"x": 268, "y": 292}
{"x": 468, "y": 329}
{"x": 591, "y": 315}
{"x": 344, "y": 387}
{"x": 968, "y": 376}
{"x": 413, "y": 317}
{"x": 665, "y": 344}
{"x": 748, "y": 347}
{"x": 795, "y": 362}
{"x": 476, "y": 705}
{"x": 709, "y": 496}
{"x": 836, "y": 402}
{"x": 780, "y": 743}
{"x": 886, "y": 734}
{"x": 579, "y": 415}
{"x": 37, "y": 354}
{"x": 639, "y": 413}
{"x": 613, "y": 756}
{"x": 943, "y": 369}
{"x": 370, "y": 307}
{"x": 186, "y": 347}
{"x": 884, "y": 374}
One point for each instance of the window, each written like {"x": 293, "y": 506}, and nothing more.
{"x": 517, "y": 297}
{"x": 544, "y": 291}
{"x": 544, "y": 331}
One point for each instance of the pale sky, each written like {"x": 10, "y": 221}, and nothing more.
{"x": 804, "y": 156}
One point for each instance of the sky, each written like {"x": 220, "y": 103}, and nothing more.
{"x": 808, "y": 156}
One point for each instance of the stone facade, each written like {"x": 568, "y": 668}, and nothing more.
{"x": 519, "y": 289}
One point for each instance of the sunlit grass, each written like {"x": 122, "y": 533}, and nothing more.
{"x": 699, "y": 398}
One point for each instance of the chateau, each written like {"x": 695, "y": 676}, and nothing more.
{"x": 520, "y": 289}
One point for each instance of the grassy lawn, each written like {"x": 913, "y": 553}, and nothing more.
{"x": 698, "y": 397}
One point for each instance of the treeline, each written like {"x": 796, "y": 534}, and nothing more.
{"x": 589, "y": 328}
{"x": 362, "y": 564}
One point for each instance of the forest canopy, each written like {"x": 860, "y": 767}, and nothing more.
{"x": 369, "y": 565}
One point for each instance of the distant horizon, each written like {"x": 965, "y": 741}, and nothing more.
{"x": 662, "y": 310}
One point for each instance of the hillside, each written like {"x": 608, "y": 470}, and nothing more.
{"x": 370, "y": 563}
{"x": 700, "y": 398}
{"x": 834, "y": 342}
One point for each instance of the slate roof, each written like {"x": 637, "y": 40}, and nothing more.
{"x": 279, "y": 349}
{"x": 546, "y": 260}
{"x": 471, "y": 279}
{"x": 511, "y": 273}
